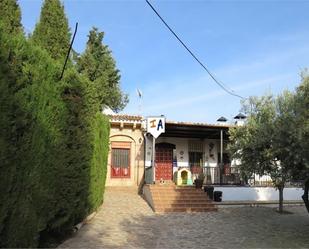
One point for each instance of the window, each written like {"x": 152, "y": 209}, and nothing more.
{"x": 196, "y": 156}
{"x": 196, "y": 159}
{"x": 120, "y": 162}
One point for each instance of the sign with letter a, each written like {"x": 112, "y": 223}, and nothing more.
{"x": 156, "y": 126}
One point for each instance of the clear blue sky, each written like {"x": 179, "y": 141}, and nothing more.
{"x": 251, "y": 46}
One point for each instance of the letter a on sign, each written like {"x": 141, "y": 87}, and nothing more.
{"x": 156, "y": 126}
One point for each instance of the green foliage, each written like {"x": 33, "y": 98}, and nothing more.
{"x": 301, "y": 127}
{"x": 52, "y": 30}
{"x": 277, "y": 130}
{"x": 302, "y": 120}
{"x": 98, "y": 65}
{"x": 100, "y": 145}
{"x": 54, "y": 140}
{"x": 253, "y": 143}
{"x": 34, "y": 142}
{"x": 274, "y": 140}
{"x": 53, "y": 146}
{"x": 10, "y": 16}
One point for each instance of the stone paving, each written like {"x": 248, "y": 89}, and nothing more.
{"x": 126, "y": 221}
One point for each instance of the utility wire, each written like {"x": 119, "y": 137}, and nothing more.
{"x": 231, "y": 92}
{"x": 68, "y": 54}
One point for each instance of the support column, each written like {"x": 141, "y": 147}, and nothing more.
{"x": 154, "y": 158}
{"x": 221, "y": 156}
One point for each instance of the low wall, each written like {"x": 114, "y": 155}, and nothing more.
{"x": 148, "y": 196}
{"x": 259, "y": 194}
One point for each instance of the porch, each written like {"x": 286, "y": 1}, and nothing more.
{"x": 193, "y": 148}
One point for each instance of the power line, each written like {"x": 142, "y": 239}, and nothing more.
{"x": 231, "y": 92}
{"x": 69, "y": 50}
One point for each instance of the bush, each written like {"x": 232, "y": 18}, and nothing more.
{"x": 53, "y": 146}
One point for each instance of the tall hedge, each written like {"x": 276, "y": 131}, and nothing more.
{"x": 53, "y": 146}
{"x": 35, "y": 127}
{"x": 100, "y": 145}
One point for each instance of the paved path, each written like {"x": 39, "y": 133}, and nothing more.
{"x": 126, "y": 221}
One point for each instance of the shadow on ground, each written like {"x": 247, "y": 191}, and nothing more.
{"x": 247, "y": 227}
{"x": 129, "y": 226}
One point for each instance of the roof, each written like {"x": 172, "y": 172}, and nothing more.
{"x": 226, "y": 125}
{"x": 124, "y": 117}
{"x": 181, "y": 129}
{"x": 195, "y": 130}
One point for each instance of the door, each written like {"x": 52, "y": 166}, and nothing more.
{"x": 164, "y": 163}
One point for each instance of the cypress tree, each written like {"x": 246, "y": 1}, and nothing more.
{"x": 52, "y": 30}
{"x": 10, "y": 123}
{"x": 100, "y": 68}
{"x": 53, "y": 140}
{"x": 10, "y": 16}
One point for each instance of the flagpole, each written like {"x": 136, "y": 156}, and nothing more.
{"x": 139, "y": 94}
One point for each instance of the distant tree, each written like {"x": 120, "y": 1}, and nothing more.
{"x": 52, "y": 30}
{"x": 98, "y": 65}
{"x": 10, "y": 16}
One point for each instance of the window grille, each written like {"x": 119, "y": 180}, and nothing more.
{"x": 196, "y": 146}
{"x": 196, "y": 156}
{"x": 120, "y": 164}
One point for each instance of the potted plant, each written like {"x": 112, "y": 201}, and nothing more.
{"x": 199, "y": 180}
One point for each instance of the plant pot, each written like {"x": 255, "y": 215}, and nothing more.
{"x": 198, "y": 183}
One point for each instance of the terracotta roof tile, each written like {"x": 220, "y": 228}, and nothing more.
{"x": 124, "y": 117}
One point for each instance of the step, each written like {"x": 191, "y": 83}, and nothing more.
{"x": 179, "y": 196}
{"x": 193, "y": 200}
{"x": 183, "y": 205}
{"x": 177, "y": 188}
{"x": 187, "y": 199}
{"x": 171, "y": 198}
{"x": 186, "y": 210}
{"x": 182, "y": 201}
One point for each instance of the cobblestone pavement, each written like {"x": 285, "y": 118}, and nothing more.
{"x": 126, "y": 221}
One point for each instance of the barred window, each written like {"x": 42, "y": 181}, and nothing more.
{"x": 120, "y": 164}
{"x": 196, "y": 156}
{"x": 120, "y": 158}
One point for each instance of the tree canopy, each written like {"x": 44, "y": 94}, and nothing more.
{"x": 274, "y": 140}
{"x": 10, "y": 16}
{"x": 52, "y": 30}
{"x": 98, "y": 65}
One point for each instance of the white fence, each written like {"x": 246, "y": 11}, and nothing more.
{"x": 259, "y": 194}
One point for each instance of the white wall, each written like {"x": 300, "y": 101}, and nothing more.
{"x": 182, "y": 146}
{"x": 258, "y": 193}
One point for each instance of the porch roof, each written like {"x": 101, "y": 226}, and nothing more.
{"x": 195, "y": 130}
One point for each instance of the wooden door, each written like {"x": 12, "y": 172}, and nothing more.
{"x": 164, "y": 163}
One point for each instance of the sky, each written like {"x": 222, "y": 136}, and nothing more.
{"x": 253, "y": 47}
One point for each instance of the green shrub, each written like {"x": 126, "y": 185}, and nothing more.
{"x": 98, "y": 170}
{"x": 53, "y": 146}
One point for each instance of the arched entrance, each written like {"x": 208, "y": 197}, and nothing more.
{"x": 164, "y": 161}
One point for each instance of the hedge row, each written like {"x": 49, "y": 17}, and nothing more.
{"x": 53, "y": 146}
